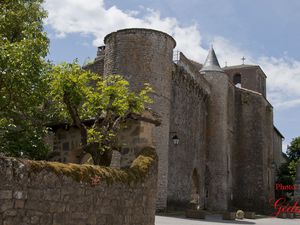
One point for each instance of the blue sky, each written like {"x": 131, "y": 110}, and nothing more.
{"x": 266, "y": 32}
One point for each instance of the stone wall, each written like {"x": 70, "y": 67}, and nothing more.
{"x": 65, "y": 144}
{"x": 188, "y": 123}
{"x": 231, "y": 140}
{"x": 51, "y": 193}
{"x": 219, "y": 144}
{"x": 137, "y": 135}
{"x": 252, "y": 158}
{"x": 277, "y": 145}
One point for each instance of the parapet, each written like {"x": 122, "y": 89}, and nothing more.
{"x": 141, "y": 31}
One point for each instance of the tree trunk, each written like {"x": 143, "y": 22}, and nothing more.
{"x": 99, "y": 157}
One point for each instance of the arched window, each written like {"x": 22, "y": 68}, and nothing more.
{"x": 237, "y": 80}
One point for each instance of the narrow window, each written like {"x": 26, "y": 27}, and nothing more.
{"x": 237, "y": 80}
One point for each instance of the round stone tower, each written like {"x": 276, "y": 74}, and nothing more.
{"x": 145, "y": 56}
{"x": 219, "y": 138}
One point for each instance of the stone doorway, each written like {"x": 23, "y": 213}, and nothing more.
{"x": 195, "y": 196}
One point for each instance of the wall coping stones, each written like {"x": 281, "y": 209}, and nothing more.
{"x": 86, "y": 173}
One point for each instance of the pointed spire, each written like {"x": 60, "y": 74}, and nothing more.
{"x": 211, "y": 62}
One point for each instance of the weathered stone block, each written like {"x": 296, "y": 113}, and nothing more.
{"x": 56, "y": 207}
{"x": 36, "y": 212}
{"x": 52, "y": 194}
{"x": 20, "y": 195}
{"x": 10, "y": 212}
{"x": 8, "y": 221}
{"x": 46, "y": 219}
{"x": 31, "y": 204}
{"x": 35, "y": 194}
{"x": 229, "y": 215}
{"x": 250, "y": 215}
{"x": 101, "y": 220}
{"x": 34, "y": 220}
{"x": 5, "y": 205}
{"x": 5, "y": 194}
{"x": 79, "y": 215}
{"x": 58, "y": 219}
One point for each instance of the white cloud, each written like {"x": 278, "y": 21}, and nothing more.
{"x": 283, "y": 79}
{"x": 91, "y": 17}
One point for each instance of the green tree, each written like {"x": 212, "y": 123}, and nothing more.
{"x": 293, "y": 150}
{"x": 287, "y": 171}
{"x": 284, "y": 177}
{"x": 79, "y": 95}
{"x": 23, "y": 47}
{"x": 293, "y": 154}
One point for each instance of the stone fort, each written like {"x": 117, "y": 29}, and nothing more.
{"x": 216, "y": 142}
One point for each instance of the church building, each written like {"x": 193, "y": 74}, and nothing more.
{"x": 217, "y": 144}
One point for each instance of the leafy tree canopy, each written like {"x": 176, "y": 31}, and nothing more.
{"x": 287, "y": 171}
{"x": 23, "y": 47}
{"x": 293, "y": 154}
{"x": 293, "y": 151}
{"x": 78, "y": 95}
{"x": 32, "y": 91}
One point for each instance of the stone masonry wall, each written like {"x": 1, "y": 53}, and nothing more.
{"x": 65, "y": 144}
{"x": 96, "y": 67}
{"x": 252, "y": 77}
{"x": 253, "y": 155}
{"x": 277, "y": 145}
{"x": 218, "y": 147}
{"x": 55, "y": 196}
{"x": 136, "y": 136}
{"x": 188, "y": 122}
{"x": 231, "y": 143}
